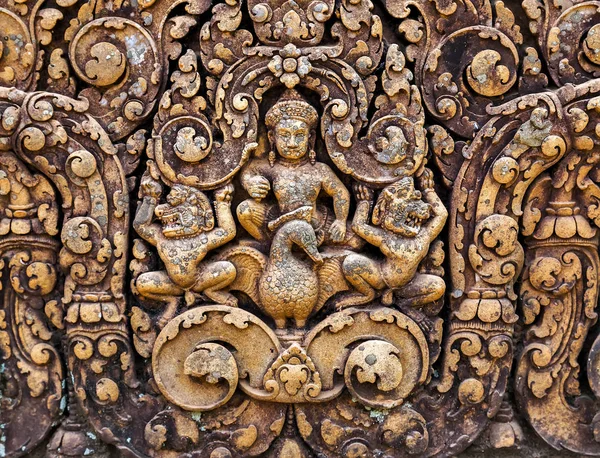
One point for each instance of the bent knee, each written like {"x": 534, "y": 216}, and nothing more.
{"x": 225, "y": 269}
{"x": 244, "y": 209}
{"x": 354, "y": 264}
{"x": 145, "y": 282}
{"x": 440, "y": 286}
{"x": 435, "y": 286}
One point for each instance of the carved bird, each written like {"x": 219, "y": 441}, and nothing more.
{"x": 283, "y": 285}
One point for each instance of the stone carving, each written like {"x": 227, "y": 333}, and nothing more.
{"x": 294, "y": 175}
{"x": 187, "y": 232}
{"x": 407, "y": 227}
{"x": 298, "y": 228}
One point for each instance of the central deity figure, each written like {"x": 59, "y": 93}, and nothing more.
{"x": 286, "y": 284}
{"x": 295, "y": 177}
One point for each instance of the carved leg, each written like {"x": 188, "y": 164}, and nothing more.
{"x": 213, "y": 277}
{"x": 365, "y": 276}
{"x": 421, "y": 290}
{"x": 252, "y": 216}
{"x": 280, "y": 323}
{"x": 300, "y": 322}
{"x": 159, "y": 287}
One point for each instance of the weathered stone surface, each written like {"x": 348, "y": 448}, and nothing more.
{"x": 299, "y": 228}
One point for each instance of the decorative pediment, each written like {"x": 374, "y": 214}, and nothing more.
{"x": 302, "y": 228}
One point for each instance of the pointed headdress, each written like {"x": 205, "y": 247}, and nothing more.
{"x": 291, "y": 105}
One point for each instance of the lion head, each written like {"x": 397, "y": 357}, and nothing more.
{"x": 186, "y": 213}
{"x": 399, "y": 209}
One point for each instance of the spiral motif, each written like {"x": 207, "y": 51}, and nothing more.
{"x": 17, "y": 52}
{"x": 120, "y": 61}
{"x": 183, "y": 143}
{"x": 591, "y": 44}
{"x": 192, "y": 367}
{"x": 208, "y": 380}
{"x": 487, "y": 77}
{"x": 375, "y": 363}
{"x": 486, "y": 68}
{"x": 573, "y": 44}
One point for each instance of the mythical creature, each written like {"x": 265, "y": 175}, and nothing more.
{"x": 289, "y": 287}
{"x": 186, "y": 234}
{"x": 286, "y": 285}
{"x": 404, "y": 227}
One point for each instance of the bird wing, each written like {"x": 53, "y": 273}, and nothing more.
{"x": 249, "y": 264}
{"x": 331, "y": 277}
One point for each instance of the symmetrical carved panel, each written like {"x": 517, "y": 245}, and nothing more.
{"x": 298, "y": 228}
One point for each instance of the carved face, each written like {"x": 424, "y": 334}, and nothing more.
{"x": 291, "y": 138}
{"x": 186, "y": 213}
{"x": 400, "y": 209}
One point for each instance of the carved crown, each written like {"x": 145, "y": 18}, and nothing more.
{"x": 292, "y": 105}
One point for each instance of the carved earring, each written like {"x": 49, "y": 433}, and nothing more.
{"x": 272, "y": 158}
{"x": 312, "y": 156}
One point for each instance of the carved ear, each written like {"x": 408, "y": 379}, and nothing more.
{"x": 271, "y": 137}
{"x": 380, "y": 209}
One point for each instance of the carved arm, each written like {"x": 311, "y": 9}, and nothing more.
{"x": 334, "y": 187}
{"x": 440, "y": 214}
{"x": 226, "y": 229}
{"x": 142, "y": 223}
{"x": 254, "y": 181}
{"x": 371, "y": 234}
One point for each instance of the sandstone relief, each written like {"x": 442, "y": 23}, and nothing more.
{"x": 299, "y": 228}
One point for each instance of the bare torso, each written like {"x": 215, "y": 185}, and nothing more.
{"x": 184, "y": 256}
{"x": 296, "y": 187}
{"x": 402, "y": 258}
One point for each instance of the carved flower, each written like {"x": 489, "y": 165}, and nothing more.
{"x": 488, "y": 306}
{"x": 289, "y": 66}
{"x": 564, "y": 221}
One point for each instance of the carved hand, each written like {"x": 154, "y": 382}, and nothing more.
{"x": 150, "y": 187}
{"x": 258, "y": 187}
{"x": 224, "y": 194}
{"x": 338, "y": 230}
{"x": 248, "y": 150}
{"x": 363, "y": 193}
